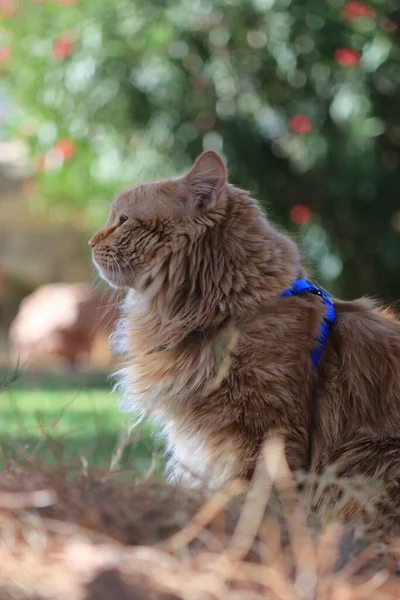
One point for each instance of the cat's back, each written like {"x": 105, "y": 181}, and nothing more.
{"x": 367, "y": 335}
{"x": 359, "y": 379}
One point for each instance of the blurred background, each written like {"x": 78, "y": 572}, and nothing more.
{"x": 302, "y": 97}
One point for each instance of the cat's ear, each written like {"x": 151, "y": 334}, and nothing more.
{"x": 206, "y": 179}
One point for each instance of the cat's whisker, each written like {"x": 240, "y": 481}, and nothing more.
{"x": 128, "y": 266}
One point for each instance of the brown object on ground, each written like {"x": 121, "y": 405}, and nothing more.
{"x": 61, "y": 320}
{"x": 151, "y": 541}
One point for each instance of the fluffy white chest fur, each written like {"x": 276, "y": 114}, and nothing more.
{"x": 162, "y": 384}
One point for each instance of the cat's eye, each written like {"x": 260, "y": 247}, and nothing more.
{"x": 122, "y": 219}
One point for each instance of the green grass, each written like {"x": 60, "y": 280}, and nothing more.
{"x": 67, "y": 422}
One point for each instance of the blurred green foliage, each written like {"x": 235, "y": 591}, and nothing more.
{"x": 301, "y": 96}
{"x": 62, "y": 425}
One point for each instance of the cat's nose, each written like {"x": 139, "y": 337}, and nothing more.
{"x": 102, "y": 234}
{"x": 93, "y": 241}
{"x": 97, "y": 237}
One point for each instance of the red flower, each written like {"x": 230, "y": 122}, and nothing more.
{"x": 353, "y": 10}
{"x": 67, "y": 2}
{"x": 5, "y": 53}
{"x": 300, "y": 124}
{"x": 300, "y": 214}
{"x": 65, "y": 149}
{"x": 347, "y": 57}
{"x": 62, "y": 49}
{"x": 7, "y": 8}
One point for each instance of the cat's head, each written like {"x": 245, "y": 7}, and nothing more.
{"x": 145, "y": 221}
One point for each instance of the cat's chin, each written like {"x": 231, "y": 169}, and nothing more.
{"x": 113, "y": 284}
{"x": 113, "y": 281}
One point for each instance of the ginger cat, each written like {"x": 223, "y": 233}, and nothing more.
{"x": 220, "y": 359}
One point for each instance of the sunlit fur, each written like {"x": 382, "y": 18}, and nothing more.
{"x": 218, "y": 357}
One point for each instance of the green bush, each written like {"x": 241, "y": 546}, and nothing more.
{"x": 300, "y": 96}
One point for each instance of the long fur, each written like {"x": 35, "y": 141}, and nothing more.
{"x": 219, "y": 358}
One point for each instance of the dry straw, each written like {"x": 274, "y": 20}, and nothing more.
{"x": 94, "y": 536}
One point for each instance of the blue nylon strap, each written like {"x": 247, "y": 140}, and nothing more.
{"x": 302, "y": 286}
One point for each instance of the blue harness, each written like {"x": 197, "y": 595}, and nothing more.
{"x": 302, "y": 286}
